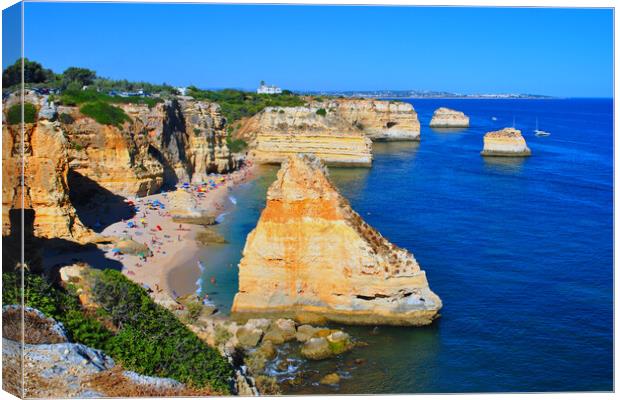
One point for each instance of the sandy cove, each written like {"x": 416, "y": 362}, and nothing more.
{"x": 173, "y": 245}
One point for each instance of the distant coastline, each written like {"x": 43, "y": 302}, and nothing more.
{"x": 417, "y": 94}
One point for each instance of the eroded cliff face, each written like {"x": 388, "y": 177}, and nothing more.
{"x": 379, "y": 119}
{"x": 118, "y": 159}
{"x": 72, "y": 161}
{"x": 333, "y": 130}
{"x": 207, "y": 149}
{"x": 45, "y": 189}
{"x": 163, "y": 145}
{"x": 312, "y": 257}
{"x": 448, "y": 118}
{"x": 282, "y": 131}
{"x": 507, "y": 142}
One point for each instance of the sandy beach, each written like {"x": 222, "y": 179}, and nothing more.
{"x": 171, "y": 245}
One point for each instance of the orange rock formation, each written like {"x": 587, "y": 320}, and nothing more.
{"x": 311, "y": 257}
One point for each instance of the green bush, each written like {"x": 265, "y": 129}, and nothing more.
{"x": 321, "y": 112}
{"x": 236, "y": 145}
{"x": 152, "y": 340}
{"x": 77, "y": 146}
{"x": 104, "y": 113}
{"x": 62, "y": 305}
{"x": 14, "y": 115}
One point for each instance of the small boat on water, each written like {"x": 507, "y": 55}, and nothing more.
{"x": 494, "y": 118}
{"x": 539, "y": 132}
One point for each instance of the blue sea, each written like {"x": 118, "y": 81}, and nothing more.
{"x": 519, "y": 250}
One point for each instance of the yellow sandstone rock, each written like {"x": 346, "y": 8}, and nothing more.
{"x": 380, "y": 119}
{"x": 282, "y": 131}
{"x": 337, "y": 131}
{"x": 312, "y": 255}
{"x": 45, "y": 168}
{"x": 507, "y": 142}
{"x": 448, "y": 118}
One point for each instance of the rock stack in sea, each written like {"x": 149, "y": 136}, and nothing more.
{"x": 507, "y": 142}
{"x": 312, "y": 258}
{"x": 448, "y": 118}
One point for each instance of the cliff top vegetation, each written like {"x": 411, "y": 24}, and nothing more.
{"x": 237, "y": 104}
{"x": 132, "y": 329}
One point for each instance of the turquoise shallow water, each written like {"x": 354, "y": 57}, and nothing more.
{"x": 520, "y": 251}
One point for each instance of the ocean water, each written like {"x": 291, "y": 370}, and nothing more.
{"x": 519, "y": 250}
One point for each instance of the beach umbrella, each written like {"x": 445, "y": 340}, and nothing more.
{"x": 116, "y": 250}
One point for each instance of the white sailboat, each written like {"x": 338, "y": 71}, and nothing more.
{"x": 539, "y": 132}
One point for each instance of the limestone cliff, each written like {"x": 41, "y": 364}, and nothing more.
{"x": 282, "y": 131}
{"x": 45, "y": 190}
{"x": 379, "y": 119}
{"x": 448, "y": 118}
{"x": 118, "y": 159}
{"x": 69, "y": 157}
{"x": 166, "y": 144}
{"x": 506, "y": 142}
{"x": 333, "y": 130}
{"x": 312, "y": 257}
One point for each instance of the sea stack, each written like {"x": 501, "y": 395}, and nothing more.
{"x": 312, "y": 258}
{"x": 448, "y": 118}
{"x": 507, "y": 142}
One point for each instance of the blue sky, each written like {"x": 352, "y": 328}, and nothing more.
{"x": 11, "y": 34}
{"x": 562, "y": 52}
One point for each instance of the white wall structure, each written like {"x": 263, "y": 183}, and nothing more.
{"x": 268, "y": 89}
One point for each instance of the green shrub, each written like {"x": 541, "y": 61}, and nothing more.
{"x": 321, "y": 112}
{"x": 77, "y": 146}
{"x": 86, "y": 329}
{"x": 62, "y": 305}
{"x": 14, "y": 115}
{"x": 104, "y": 113}
{"x": 222, "y": 334}
{"x": 236, "y": 145}
{"x": 152, "y": 340}
{"x": 76, "y": 97}
{"x": 193, "y": 311}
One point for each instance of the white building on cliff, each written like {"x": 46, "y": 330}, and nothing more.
{"x": 268, "y": 89}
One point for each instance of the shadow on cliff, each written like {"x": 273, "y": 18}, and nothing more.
{"x": 43, "y": 255}
{"x": 95, "y": 205}
{"x": 170, "y": 176}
